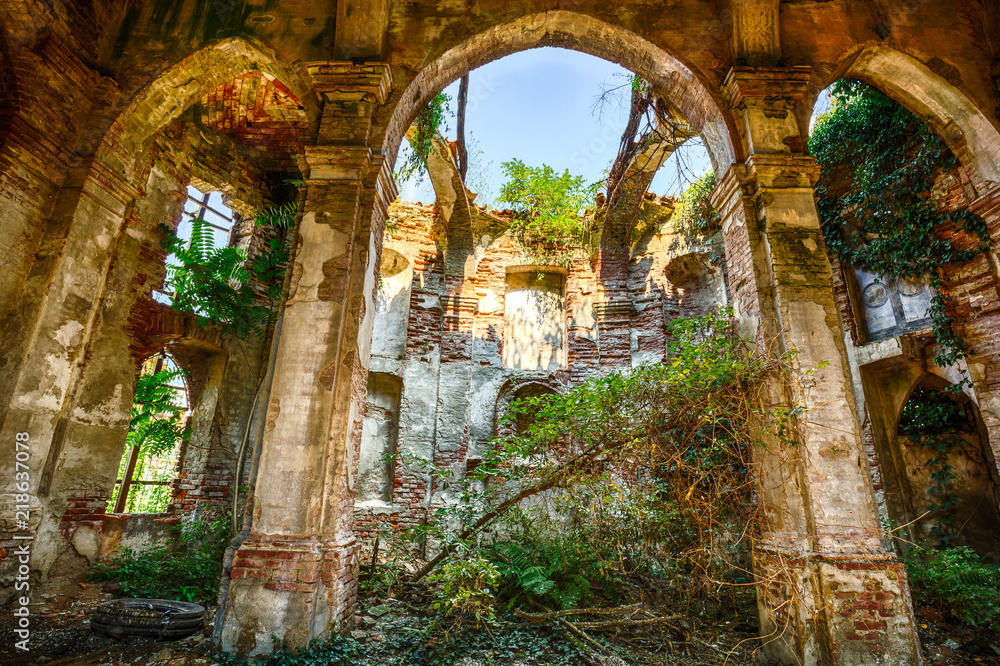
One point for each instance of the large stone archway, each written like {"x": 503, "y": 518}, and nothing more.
{"x": 93, "y": 254}
{"x": 719, "y": 62}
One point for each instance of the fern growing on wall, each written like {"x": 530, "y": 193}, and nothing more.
{"x": 238, "y": 296}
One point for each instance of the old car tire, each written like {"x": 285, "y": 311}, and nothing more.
{"x": 155, "y": 618}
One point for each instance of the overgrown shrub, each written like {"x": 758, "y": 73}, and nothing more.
{"x": 548, "y": 206}
{"x": 190, "y": 572}
{"x": 466, "y": 592}
{"x": 694, "y": 214}
{"x": 648, "y": 469}
{"x": 956, "y": 579}
{"x": 556, "y": 569}
{"x": 875, "y": 201}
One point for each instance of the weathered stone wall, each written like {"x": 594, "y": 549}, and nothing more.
{"x": 451, "y": 352}
{"x": 885, "y": 372}
{"x": 128, "y": 327}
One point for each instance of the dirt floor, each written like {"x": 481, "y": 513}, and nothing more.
{"x": 392, "y": 631}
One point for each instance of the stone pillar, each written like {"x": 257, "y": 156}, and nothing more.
{"x": 295, "y": 577}
{"x": 830, "y": 592}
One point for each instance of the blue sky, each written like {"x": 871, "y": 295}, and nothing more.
{"x": 537, "y": 106}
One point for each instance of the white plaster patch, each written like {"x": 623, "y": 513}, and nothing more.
{"x": 68, "y": 335}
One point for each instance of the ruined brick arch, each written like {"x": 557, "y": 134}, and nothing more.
{"x": 948, "y": 111}
{"x": 176, "y": 89}
{"x": 515, "y": 388}
{"x": 700, "y": 103}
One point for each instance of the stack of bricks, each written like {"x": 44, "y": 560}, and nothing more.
{"x": 84, "y": 507}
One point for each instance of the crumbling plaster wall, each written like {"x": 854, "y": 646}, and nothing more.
{"x": 885, "y": 371}
{"x": 129, "y": 327}
{"x": 448, "y": 350}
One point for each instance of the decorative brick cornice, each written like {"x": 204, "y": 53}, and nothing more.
{"x": 730, "y": 190}
{"x": 346, "y": 80}
{"x": 612, "y": 308}
{"x": 777, "y": 87}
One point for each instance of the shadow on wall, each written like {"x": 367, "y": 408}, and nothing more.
{"x": 534, "y": 336}
{"x": 932, "y": 451}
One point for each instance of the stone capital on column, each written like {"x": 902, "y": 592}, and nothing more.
{"x": 766, "y": 98}
{"x": 338, "y": 81}
{"x": 338, "y": 162}
{"x": 350, "y": 94}
{"x": 783, "y": 171}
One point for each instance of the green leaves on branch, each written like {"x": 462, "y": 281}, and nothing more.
{"x": 548, "y": 207}
{"x": 428, "y": 123}
{"x": 694, "y": 214}
{"x": 874, "y": 197}
{"x": 238, "y": 296}
{"x": 959, "y": 580}
{"x": 681, "y": 431}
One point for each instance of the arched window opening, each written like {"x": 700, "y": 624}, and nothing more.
{"x": 893, "y": 203}
{"x": 526, "y": 397}
{"x": 157, "y": 427}
{"x": 947, "y": 472}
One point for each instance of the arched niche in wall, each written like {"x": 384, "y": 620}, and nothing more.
{"x": 392, "y": 306}
{"x": 962, "y": 511}
{"x": 378, "y": 439}
{"x": 698, "y": 286}
{"x": 513, "y": 390}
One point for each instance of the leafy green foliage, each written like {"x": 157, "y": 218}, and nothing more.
{"x": 935, "y": 421}
{"x": 334, "y": 651}
{"x": 238, "y": 296}
{"x": 190, "y": 572}
{"x": 428, "y": 123}
{"x": 557, "y": 569}
{"x": 679, "y": 432}
{"x": 886, "y": 221}
{"x": 694, "y": 214}
{"x": 466, "y": 592}
{"x": 959, "y": 580}
{"x": 548, "y": 207}
{"x": 156, "y": 426}
{"x": 406, "y": 645}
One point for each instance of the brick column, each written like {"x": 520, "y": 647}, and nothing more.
{"x": 295, "y": 577}
{"x": 830, "y": 592}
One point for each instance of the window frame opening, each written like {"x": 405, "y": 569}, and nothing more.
{"x": 123, "y": 498}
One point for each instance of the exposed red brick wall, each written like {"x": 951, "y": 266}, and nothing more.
{"x": 636, "y": 302}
